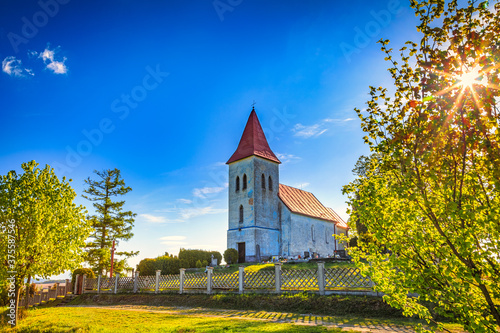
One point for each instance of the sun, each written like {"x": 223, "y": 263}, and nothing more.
{"x": 468, "y": 79}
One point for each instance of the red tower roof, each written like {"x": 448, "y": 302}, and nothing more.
{"x": 253, "y": 142}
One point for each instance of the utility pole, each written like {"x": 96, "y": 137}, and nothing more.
{"x": 112, "y": 259}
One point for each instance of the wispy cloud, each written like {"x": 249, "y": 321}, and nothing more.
{"x": 14, "y": 67}
{"x": 158, "y": 219}
{"x": 287, "y": 158}
{"x": 185, "y": 201}
{"x": 315, "y": 130}
{"x": 188, "y": 213}
{"x": 308, "y": 131}
{"x": 202, "y": 192}
{"x": 49, "y": 58}
{"x": 302, "y": 185}
{"x": 173, "y": 240}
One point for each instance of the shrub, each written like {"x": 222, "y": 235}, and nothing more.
{"x": 231, "y": 256}
{"x": 81, "y": 271}
{"x": 190, "y": 257}
{"x": 199, "y": 264}
{"x": 148, "y": 266}
{"x": 168, "y": 265}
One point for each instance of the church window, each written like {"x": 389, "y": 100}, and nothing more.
{"x": 263, "y": 182}
{"x": 270, "y": 184}
{"x": 241, "y": 213}
{"x": 245, "y": 181}
{"x": 237, "y": 183}
{"x": 312, "y": 233}
{"x": 326, "y": 237}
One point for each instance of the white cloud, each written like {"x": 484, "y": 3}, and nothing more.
{"x": 14, "y": 67}
{"x": 202, "y": 192}
{"x": 308, "y": 131}
{"x": 317, "y": 129}
{"x": 48, "y": 57}
{"x": 188, "y": 213}
{"x": 302, "y": 185}
{"x": 157, "y": 219}
{"x": 173, "y": 238}
{"x": 286, "y": 158}
{"x": 57, "y": 67}
{"x": 185, "y": 201}
{"x": 333, "y": 120}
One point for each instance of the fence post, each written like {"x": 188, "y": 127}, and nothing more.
{"x": 136, "y": 282}
{"x": 117, "y": 276}
{"x": 99, "y": 284}
{"x": 157, "y": 281}
{"x": 321, "y": 277}
{"x": 209, "y": 279}
{"x": 181, "y": 280}
{"x": 277, "y": 279}
{"x": 57, "y": 289}
{"x": 241, "y": 272}
{"x": 76, "y": 284}
{"x": 83, "y": 283}
{"x": 66, "y": 287}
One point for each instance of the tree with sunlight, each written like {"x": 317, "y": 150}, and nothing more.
{"x": 430, "y": 201}
{"x": 43, "y": 231}
{"x": 110, "y": 223}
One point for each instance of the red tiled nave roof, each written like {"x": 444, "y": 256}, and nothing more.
{"x": 305, "y": 203}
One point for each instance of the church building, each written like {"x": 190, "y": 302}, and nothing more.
{"x": 267, "y": 218}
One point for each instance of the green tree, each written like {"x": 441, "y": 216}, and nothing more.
{"x": 432, "y": 198}
{"x": 110, "y": 223}
{"x": 43, "y": 230}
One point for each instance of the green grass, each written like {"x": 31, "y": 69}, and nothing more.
{"x": 56, "y": 320}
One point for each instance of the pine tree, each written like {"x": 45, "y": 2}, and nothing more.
{"x": 110, "y": 222}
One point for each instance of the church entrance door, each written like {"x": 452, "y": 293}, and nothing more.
{"x": 241, "y": 253}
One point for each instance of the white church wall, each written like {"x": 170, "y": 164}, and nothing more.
{"x": 311, "y": 235}
{"x": 286, "y": 231}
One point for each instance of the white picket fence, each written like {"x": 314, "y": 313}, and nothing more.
{"x": 321, "y": 280}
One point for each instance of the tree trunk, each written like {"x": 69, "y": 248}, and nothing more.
{"x": 26, "y": 298}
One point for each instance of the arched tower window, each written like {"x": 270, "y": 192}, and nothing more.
{"x": 241, "y": 213}
{"x": 263, "y": 182}
{"x": 245, "y": 181}
{"x": 270, "y": 183}
{"x": 237, "y": 183}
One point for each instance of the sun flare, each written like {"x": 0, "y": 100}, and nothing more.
{"x": 468, "y": 79}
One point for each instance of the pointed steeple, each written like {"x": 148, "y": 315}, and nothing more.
{"x": 253, "y": 142}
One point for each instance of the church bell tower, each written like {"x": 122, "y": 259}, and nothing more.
{"x": 253, "y": 224}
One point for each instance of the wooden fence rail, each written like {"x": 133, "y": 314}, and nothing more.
{"x": 320, "y": 280}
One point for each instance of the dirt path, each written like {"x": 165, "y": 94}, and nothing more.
{"x": 359, "y": 325}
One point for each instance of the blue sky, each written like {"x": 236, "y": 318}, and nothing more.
{"x": 162, "y": 91}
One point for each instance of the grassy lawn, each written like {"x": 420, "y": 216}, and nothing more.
{"x": 71, "y": 319}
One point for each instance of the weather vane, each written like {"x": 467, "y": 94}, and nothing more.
{"x": 253, "y": 104}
